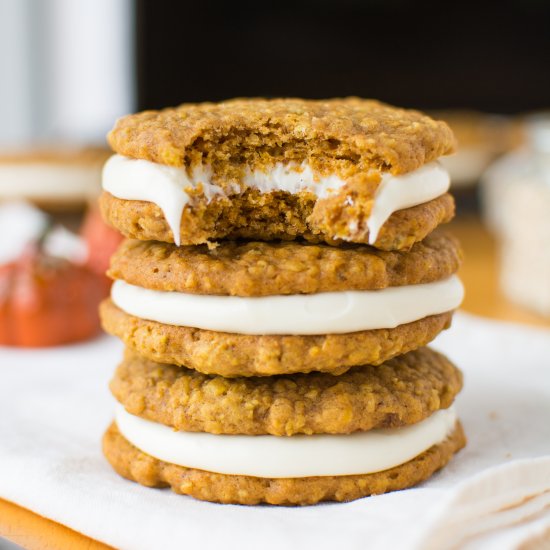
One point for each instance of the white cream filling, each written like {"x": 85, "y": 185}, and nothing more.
{"x": 280, "y": 456}
{"x": 168, "y": 186}
{"x": 322, "y": 313}
{"x": 49, "y": 181}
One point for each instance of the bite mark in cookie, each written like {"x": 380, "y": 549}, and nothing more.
{"x": 326, "y": 157}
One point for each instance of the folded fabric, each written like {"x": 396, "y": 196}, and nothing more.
{"x": 55, "y": 405}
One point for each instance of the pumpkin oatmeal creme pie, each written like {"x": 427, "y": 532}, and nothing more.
{"x": 258, "y": 308}
{"x": 291, "y": 440}
{"x": 339, "y": 170}
{"x": 56, "y": 179}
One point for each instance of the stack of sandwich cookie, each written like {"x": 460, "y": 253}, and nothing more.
{"x": 280, "y": 280}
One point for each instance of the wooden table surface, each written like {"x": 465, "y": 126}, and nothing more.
{"x": 483, "y": 297}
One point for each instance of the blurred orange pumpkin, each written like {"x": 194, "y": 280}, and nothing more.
{"x": 47, "y": 301}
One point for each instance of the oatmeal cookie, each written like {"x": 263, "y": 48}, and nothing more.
{"x": 272, "y": 216}
{"x": 240, "y": 268}
{"x": 335, "y": 136}
{"x": 230, "y": 354}
{"x": 400, "y": 392}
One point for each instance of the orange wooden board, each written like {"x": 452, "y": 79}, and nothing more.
{"x": 33, "y": 532}
{"x": 483, "y": 297}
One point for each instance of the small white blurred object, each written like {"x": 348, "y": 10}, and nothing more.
{"x": 25, "y": 224}
{"x": 516, "y": 204}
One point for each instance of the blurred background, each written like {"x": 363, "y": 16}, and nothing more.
{"x": 69, "y": 68}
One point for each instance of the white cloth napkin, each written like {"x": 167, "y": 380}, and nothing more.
{"x": 55, "y": 405}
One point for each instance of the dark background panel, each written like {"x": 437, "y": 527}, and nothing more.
{"x": 491, "y": 57}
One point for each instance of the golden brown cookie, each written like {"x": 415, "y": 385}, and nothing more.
{"x": 229, "y": 354}
{"x": 402, "y": 391}
{"x": 240, "y": 268}
{"x": 272, "y": 216}
{"x": 135, "y": 465}
{"x": 335, "y": 134}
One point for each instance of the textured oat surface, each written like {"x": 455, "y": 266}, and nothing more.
{"x": 338, "y": 135}
{"x": 135, "y": 465}
{"x": 241, "y": 268}
{"x": 271, "y": 216}
{"x": 229, "y": 354}
{"x": 402, "y": 391}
